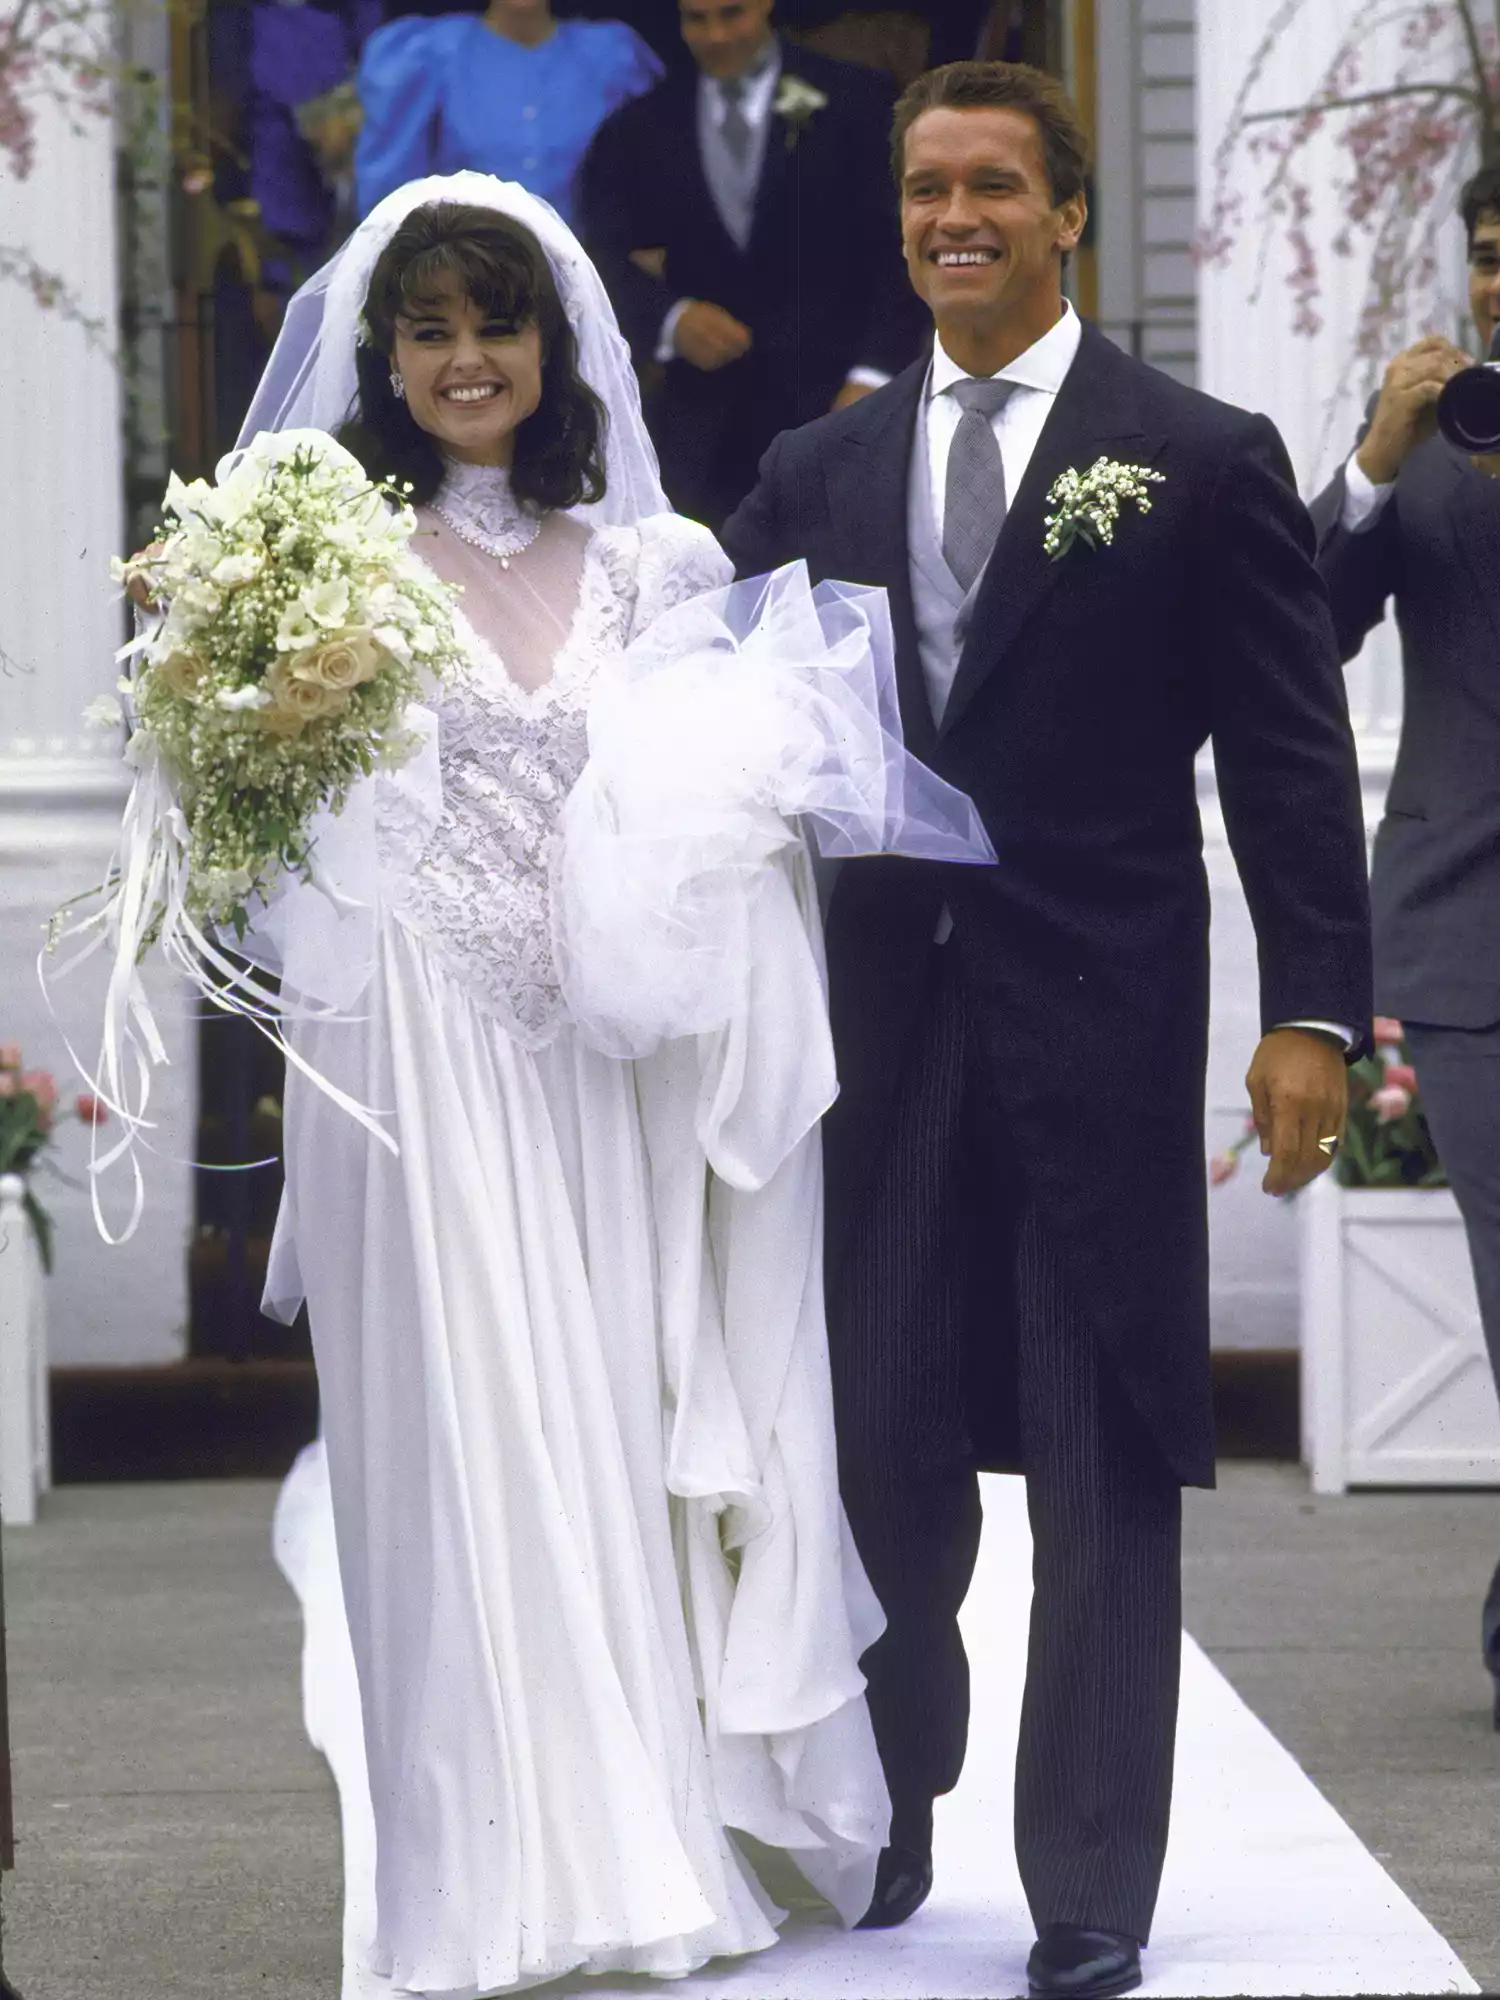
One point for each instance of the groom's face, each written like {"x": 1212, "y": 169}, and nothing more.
{"x": 982, "y": 235}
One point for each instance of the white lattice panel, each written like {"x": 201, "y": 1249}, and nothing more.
{"x": 1397, "y": 1387}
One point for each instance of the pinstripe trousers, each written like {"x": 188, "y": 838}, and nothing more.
{"x": 953, "y": 1338}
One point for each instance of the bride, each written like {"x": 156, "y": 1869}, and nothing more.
{"x": 595, "y": 1606}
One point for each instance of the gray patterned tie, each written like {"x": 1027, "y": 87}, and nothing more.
{"x": 735, "y": 127}
{"x": 975, "y": 502}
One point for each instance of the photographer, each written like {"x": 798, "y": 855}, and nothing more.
{"x": 1412, "y": 518}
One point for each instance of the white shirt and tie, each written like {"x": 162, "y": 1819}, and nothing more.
{"x": 744, "y": 105}
{"x": 1036, "y": 376}
{"x": 733, "y": 181}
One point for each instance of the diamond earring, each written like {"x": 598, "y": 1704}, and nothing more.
{"x": 398, "y": 387}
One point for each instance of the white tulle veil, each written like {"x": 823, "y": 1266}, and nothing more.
{"x": 310, "y": 381}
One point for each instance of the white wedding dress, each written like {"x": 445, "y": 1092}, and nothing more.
{"x": 595, "y": 1603}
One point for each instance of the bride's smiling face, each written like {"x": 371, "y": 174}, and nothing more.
{"x": 469, "y": 381}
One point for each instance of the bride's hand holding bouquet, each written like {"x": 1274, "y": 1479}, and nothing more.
{"x": 287, "y": 627}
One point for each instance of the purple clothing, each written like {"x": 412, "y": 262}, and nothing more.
{"x": 445, "y": 94}
{"x": 297, "y": 53}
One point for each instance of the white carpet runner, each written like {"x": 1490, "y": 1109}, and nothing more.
{"x": 1267, "y": 1891}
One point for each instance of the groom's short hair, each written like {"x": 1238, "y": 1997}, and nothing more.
{"x": 974, "y": 86}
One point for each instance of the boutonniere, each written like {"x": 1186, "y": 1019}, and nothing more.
{"x": 1086, "y": 505}
{"x": 797, "y": 102}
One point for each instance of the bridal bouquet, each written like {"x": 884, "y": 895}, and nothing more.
{"x": 294, "y": 627}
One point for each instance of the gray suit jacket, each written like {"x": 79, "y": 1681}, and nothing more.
{"x": 1435, "y": 880}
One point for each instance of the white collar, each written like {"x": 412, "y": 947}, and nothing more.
{"x": 480, "y": 507}
{"x": 1044, "y": 365}
{"x": 759, "y": 80}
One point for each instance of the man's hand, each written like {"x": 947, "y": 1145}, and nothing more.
{"x": 708, "y": 337}
{"x": 138, "y": 582}
{"x": 1299, "y": 1094}
{"x": 851, "y": 392}
{"x": 1406, "y": 413}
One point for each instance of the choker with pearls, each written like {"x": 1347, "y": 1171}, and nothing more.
{"x": 477, "y": 503}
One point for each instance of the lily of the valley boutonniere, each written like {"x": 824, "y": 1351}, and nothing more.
{"x": 1086, "y": 505}
{"x": 796, "y": 102}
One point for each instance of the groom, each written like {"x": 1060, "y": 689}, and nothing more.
{"x": 1018, "y": 1256}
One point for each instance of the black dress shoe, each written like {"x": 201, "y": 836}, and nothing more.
{"x": 1083, "y": 1965}
{"x": 903, "y": 1882}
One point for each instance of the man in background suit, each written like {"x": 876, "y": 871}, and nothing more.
{"x": 737, "y": 214}
{"x": 1410, "y": 518}
{"x": 1017, "y": 1227}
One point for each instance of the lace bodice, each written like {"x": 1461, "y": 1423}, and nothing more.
{"x": 476, "y": 886}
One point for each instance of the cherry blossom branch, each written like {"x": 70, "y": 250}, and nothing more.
{"x": 1318, "y": 105}
{"x": 1405, "y": 137}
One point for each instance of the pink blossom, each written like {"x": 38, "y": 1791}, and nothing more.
{"x": 1401, "y": 1076}
{"x": 39, "y": 1082}
{"x": 10, "y": 1055}
{"x": 7, "y": 1083}
{"x": 1388, "y": 1033}
{"x": 90, "y": 1109}
{"x": 1390, "y": 1102}
{"x": 1223, "y": 1167}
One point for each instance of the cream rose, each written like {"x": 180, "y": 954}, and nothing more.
{"x": 295, "y": 702}
{"x": 341, "y": 664}
{"x": 181, "y": 674}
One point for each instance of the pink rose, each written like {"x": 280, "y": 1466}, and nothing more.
{"x": 7, "y": 1083}
{"x": 10, "y": 1055}
{"x": 1223, "y": 1167}
{"x": 1390, "y": 1102}
{"x": 1401, "y": 1076}
{"x": 89, "y": 1109}
{"x": 1388, "y": 1032}
{"x": 40, "y": 1085}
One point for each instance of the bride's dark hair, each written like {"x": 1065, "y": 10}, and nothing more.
{"x": 499, "y": 265}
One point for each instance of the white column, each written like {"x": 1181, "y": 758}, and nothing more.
{"x": 62, "y": 785}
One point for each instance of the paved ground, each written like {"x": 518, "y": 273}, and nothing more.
{"x": 177, "y": 1840}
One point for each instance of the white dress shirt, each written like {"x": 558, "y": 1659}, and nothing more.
{"x": 1040, "y": 372}
{"x": 1364, "y": 501}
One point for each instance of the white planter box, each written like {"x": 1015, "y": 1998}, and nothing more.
{"x": 1396, "y": 1381}
{"x": 25, "y": 1437}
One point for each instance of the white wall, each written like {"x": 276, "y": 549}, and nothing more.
{"x": 60, "y": 785}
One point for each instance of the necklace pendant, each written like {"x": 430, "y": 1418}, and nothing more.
{"x": 505, "y": 562}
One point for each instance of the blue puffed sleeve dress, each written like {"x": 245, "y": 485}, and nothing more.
{"x": 441, "y": 95}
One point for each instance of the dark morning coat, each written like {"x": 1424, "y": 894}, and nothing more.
{"x": 1435, "y": 880}
{"x": 820, "y": 284}
{"x": 1084, "y": 692}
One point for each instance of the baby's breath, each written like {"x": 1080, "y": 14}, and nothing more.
{"x": 1086, "y": 505}
{"x": 296, "y": 630}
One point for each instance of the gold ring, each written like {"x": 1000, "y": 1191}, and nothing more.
{"x": 1329, "y": 1146}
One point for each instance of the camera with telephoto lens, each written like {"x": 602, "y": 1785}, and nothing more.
{"x": 1468, "y": 411}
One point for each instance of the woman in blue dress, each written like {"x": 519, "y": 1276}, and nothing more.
{"x": 511, "y": 92}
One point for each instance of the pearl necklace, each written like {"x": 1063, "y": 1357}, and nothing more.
{"x": 477, "y": 503}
